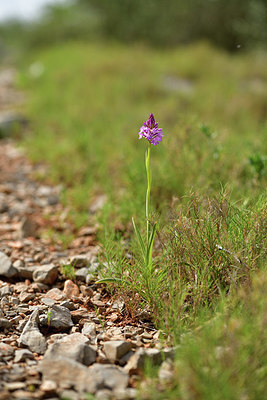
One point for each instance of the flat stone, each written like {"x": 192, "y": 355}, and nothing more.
{"x": 24, "y": 297}
{"x": 70, "y": 395}
{"x": 113, "y": 377}
{"x": 79, "y": 314}
{"x": 39, "y": 287}
{"x": 56, "y": 294}
{"x": 11, "y": 386}
{"x": 24, "y": 395}
{"x": 25, "y": 271}
{"x": 104, "y": 394}
{"x": 86, "y": 291}
{"x": 75, "y": 346}
{"x": 71, "y": 289}
{"x": 48, "y": 386}
{"x": 4, "y": 323}
{"x": 116, "y": 349}
{"x": 22, "y": 355}
{"x": 68, "y": 304}
{"x": 6, "y": 268}
{"x": 6, "y": 291}
{"x": 60, "y": 318}
{"x": 126, "y": 394}
{"x": 31, "y": 336}
{"x": 79, "y": 261}
{"x": 69, "y": 373}
{"x": 47, "y": 274}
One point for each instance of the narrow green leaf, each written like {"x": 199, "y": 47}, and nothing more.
{"x": 141, "y": 242}
{"x": 110, "y": 280}
{"x": 150, "y": 244}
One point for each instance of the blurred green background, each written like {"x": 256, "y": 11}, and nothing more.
{"x": 161, "y": 23}
{"x": 92, "y": 72}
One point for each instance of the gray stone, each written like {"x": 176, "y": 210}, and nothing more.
{"x": 6, "y": 291}
{"x": 28, "y": 228}
{"x": 166, "y": 372}
{"x": 21, "y": 325}
{"x": 4, "y": 323}
{"x": 31, "y": 336}
{"x": 79, "y": 261}
{"x": 18, "y": 264}
{"x": 6, "y": 350}
{"x": 70, "y": 395}
{"x": 22, "y": 355}
{"x": 25, "y": 297}
{"x": 48, "y": 301}
{"x": 67, "y": 373}
{"x": 125, "y": 394}
{"x": 75, "y": 346}
{"x": 98, "y": 203}
{"x": 141, "y": 356}
{"x": 116, "y": 349}
{"x": 124, "y": 359}
{"x": 48, "y": 386}
{"x": 112, "y": 377}
{"x": 45, "y": 274}
{"x": 11, "y": 386}
{"x": 25, "y": 271}
{"x": 82, "y": 273}
{"x": 6, "y": 268}
{"x": 60, "y": 318}
{"x": 68, "y": 304}
{"x": 89, "y": 330}
{"x": 104, "y": 394}
{"x": 56, "y": 294}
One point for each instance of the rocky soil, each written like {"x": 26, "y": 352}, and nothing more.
{"x": 59, "y": 337}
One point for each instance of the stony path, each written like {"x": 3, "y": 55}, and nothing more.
{"x": 60, "y": 338}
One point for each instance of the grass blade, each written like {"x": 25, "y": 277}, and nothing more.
{"x": 141, "y": 242}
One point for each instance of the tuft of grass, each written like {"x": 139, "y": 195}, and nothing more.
{"x": 224, "y": 356}
{"x": 68, "y": 271}
{"x": 207, "y": 250}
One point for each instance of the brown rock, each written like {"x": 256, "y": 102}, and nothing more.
{"x": 56, "y": 294}
{"x": 71, "y": 289}
{"x": 45, "y": 274}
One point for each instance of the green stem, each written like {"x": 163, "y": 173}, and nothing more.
{"x": 148, "y": 190}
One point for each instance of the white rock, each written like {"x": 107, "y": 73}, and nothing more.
{"x": 6, "y": 268}
{"x": 116, "y": 349}
{"x": 31, "y": 336}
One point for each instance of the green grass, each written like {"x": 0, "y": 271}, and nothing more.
{"x": 86, "y": 114}
{"x": 225, "y": 355}
{"x": 206, "y": 290}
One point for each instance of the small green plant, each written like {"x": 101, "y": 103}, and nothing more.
{"x": 49, "y": 316}
{"x": 68, "y": 271}
{"x": 258, "y": 163}
{"x": 153, "y": 134}
{"x": 101, "y": 320}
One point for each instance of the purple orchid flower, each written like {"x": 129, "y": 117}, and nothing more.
{"x": 150, "y": 131}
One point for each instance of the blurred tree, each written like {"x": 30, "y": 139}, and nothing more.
{"x": 170, "y": 22}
